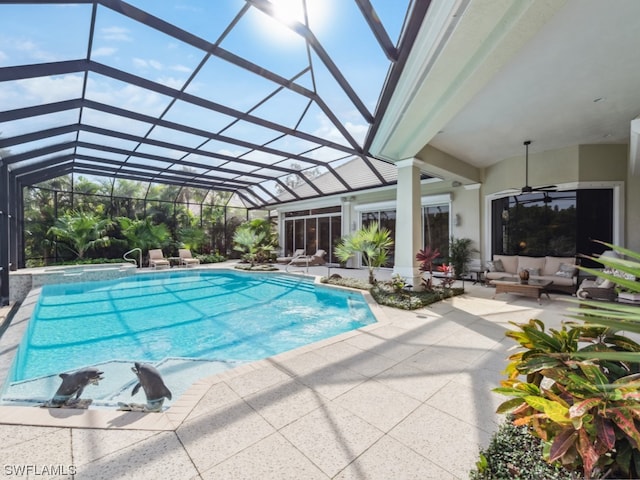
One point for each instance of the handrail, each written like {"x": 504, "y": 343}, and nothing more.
{"x": 299, "y": 257}
{"x": 139, "y": 263}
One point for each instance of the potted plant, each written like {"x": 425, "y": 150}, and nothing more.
{"x": 460, "y": 251}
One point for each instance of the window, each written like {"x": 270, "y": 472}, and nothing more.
{"x": 313, "y": 232}
{"x": 435, "y": 222}
{"x": 552, "y": 223}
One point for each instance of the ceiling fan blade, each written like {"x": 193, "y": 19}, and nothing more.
{"x": 546, "y": 188}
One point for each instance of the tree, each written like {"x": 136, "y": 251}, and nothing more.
{"x": 81, "y": 232}
{"x": 295, "y": 180}
{"x": 372, "y": 242}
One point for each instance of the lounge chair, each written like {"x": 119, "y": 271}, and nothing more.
{"x": 298, "y": 253}
{"x": 186, "y": 258}
{"x": 157, "y": 260}
{"x": 310, "y": 260}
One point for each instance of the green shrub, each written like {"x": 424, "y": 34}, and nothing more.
{"x": 211, "y": 258}
{"x": 346, "y": 282}
{"x": 386, "y": 294}
{"x": 514, "y": 454}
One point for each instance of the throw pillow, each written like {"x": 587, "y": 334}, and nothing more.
{"x": 534, "y": 271}
{"x": 566, "y": 270}
{"x": 606, "y": 284}
{"x": 491, "y": 267}
{"x": 498, "y": 265}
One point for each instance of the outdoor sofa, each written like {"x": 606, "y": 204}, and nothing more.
{"x": 562, "y": 271}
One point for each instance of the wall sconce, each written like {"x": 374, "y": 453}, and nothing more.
{"x": 457, "y": 220}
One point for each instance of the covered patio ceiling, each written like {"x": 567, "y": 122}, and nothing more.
{"x": 254, "y": 97}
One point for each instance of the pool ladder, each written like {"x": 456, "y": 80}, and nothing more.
{"x": 138, "y": 262}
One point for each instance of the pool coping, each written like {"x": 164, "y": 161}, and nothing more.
{"x": 176, "y": 414}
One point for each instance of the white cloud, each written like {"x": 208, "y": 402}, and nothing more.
{"x": 33, "y": 51}
{"x": 103, "y": 52}
{"x": 181, "y": 68}
{"x": 146, "y": 64}
{"x": 130, "y": 97}
{"x": 140, "y": 63}
{"x": 51, "y": 89}
{"x": 117, "y": 34}
{"x": 3, "y": 57}
{"x": 327, "y": 130}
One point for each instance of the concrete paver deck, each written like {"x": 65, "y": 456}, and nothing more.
{"x": 408, "y": 397}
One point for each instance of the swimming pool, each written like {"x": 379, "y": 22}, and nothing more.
{"x": 189, "y": 324}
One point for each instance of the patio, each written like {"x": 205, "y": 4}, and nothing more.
{"x": 375, "y": 403}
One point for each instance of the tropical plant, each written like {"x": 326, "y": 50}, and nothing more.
{"x": 80, "y": 232}
{"x": 447, "y": 280}
{"x": 257, "y": 239}
{"x": 248, "y": 241}
{"x": 582, "y": 389}
{"x": 372, "y": 242}
{"x": 460, "y": 251}
{"x": 144, "y": 234}
{"x": 398, "y": 283}
{"x": 426, "y": 256}
{"x": 192, "y": 237}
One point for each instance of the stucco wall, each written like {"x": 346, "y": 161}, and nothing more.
{"x": 632, "y": 232}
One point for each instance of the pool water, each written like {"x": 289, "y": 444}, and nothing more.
{"x": 220, "y": 318}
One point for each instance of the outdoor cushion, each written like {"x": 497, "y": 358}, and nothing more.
{"x": 510, "y": 262}
{"x": 566, "y": 270}
{"x": 552, "y": 264}
{"x": 495, "y": 266}
{"x": 529, "y": 263}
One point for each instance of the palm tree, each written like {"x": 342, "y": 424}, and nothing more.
{"x": 144, "y": 234}
{"x": 248, "y": 241}
{"x": 460, "y": 251}
{"x": 372, "y": 242}
{"x": 82, "y": 231}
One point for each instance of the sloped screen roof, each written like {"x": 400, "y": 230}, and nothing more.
{"x": 228, "y": 95}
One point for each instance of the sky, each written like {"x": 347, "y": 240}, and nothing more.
{"x": 42, "y": 33}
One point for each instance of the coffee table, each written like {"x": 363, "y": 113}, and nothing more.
{"x": 534, "y": 288}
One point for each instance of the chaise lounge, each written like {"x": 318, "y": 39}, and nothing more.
{"x": 298, "y": 253}
{"x": 157, "y": 260}
{"x": 186, "y": 258}
{"x": 309, "y": 260}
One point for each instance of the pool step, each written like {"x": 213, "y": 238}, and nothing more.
{"x": 291, "y": 282}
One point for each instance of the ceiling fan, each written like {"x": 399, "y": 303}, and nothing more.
{"x": 527, "y": 188}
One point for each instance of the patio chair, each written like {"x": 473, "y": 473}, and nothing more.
{"x": 157, "y": 260}
{"x": 298, "y": 253}
{"x": 310, "y": 260}
{"x": 186, "y": 258}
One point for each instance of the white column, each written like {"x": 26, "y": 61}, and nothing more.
{"x": 408, "y": 222}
